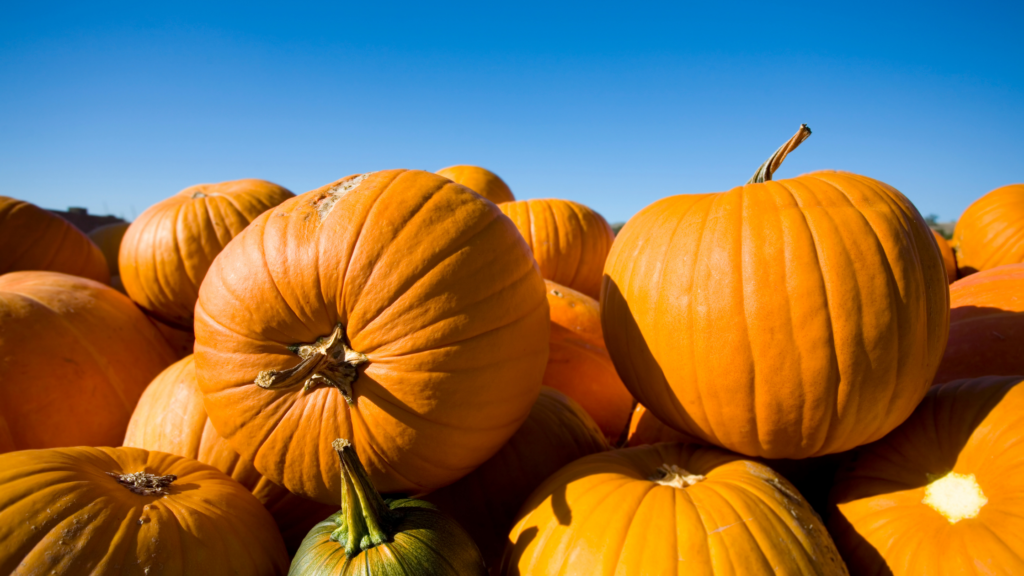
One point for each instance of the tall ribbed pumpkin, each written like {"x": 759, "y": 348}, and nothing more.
{"x": 986, "y": 325}
{"x": 397, "y": 310}
{"x": 485, "y": 502}
{"x": 569, "y": 240}
{"x": 780, "y": 319}
{"x": 170, "y": 417}
{"x": 99, "y": 511}
{"x": 75, "y": 355}
{"x": 579, "y": 365}
{"x": 166, "y": 251}
{"x": 36, "y": 239}
{"x": 941, "y": 494}
{"x": 668, "y": 509}
{"x": 479, "y": 180}
{"x": 990, "y": 232}
{"x": 948, "y": 259}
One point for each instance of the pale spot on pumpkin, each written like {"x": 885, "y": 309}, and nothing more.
{"x": 326, "y": 203}
{"x": 955, "y": 496}
{"x": 198, "y": 195}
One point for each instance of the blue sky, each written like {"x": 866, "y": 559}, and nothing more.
{"x": 116, "y": 106}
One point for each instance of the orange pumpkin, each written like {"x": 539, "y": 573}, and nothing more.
{"x": 181, "y": 341}
{"x": 396, "y": 310}
{"x": 645, "y": 428}
{"x": 485, "y": 502}
{"x": 941, "y": 494}
{"x": 479, "y": 180}
{"x": 986, "y": 325}
{"x": 780, "y": 319}
{"x": 76, "y": 357}
{"x": 579, "y": 365}
{"x": 37, "y": 239}
{"x": 170, "y": 417}
{"x": 108, "y": 240}
{"x": 990, "y": 232}
{"x": 75, "y": 511}
{"x": 569, "y": 240}
{"x": 166, "y": 251}
{"x": 948, "y": 259}
{"x": 668, "y": 509}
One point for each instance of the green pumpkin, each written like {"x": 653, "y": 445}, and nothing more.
{"x": 394, "y": 537}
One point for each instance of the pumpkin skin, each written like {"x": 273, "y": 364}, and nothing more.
{"x": 645, "y": 428}
{"x": 485, "y": 502}
{"x": 76, "y": 357}
{"x": 170, "y": 417}
{"x": 715, "y": 514}
{"x": 167, "y": 250}
{"x": 990, "y": 232}
{"x": 783, "y": 319}
{"x": 62, "y": 513}
{"x": 986, "y": 325}
{"x": 37, "y": 239}
{"x": 370, "y": 535}
{"x": 108, "y": 240}
{"x": 579, "y": 365}
{"x": 569, "y": 240}
{"x": 479, "y": 180}
{"x": 447, "y": 325}
{"x": 948, "y": 259}
{"x": 891, "y": 517}
{"x": 180, "y": 341}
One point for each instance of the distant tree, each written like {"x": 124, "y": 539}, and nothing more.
{"x": 932, "y": 219}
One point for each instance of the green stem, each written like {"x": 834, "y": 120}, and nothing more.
{"x": 366, "y": 518}
{"x": 764, "y": 173}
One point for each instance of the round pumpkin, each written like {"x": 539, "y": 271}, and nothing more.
{"x": 579, "y": 365}
{"x": 479, "y": 180}
{"x": 167, "y": 250}
{"x": 397, "y": 310}
{"x": 941, "y": 494}
{"x": 569, "y": 240}
{"x": 986, "y": 325}
{"x": 782, "y": 319}
{"x": 668, "y": 509}
{"x": 170, "y": 417}
{"x": 37, "y": 239}
{"x": 74, "y": 511}
{"x": 370, "y": 535}
{"x": 108, "y": 240}
{"x": 990, "y": 232}
{"x": 948, "y": 259}
{"x": 485, "y": 502}
{"x": 76, "y": 356}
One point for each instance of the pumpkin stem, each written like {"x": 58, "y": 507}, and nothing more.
{"x": 366, "y": 518}
{"x": 327, "y": 361}
{"x": 764, "y": 173}
{"x": 672, "y": 475}
{"x": 144, "y": 483}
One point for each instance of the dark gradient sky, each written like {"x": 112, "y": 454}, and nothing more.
{"x": 116, "y": 106}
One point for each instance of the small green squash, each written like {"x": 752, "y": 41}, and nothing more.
{"x": 393, "y": 537}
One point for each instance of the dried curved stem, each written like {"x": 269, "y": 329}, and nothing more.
{"x": 144, "y": 483}
{"x": 765, "y": 172}
{"x": 672, "y": 475}
{"x": 328, "y": 361}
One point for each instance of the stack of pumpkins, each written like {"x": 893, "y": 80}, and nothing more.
{"x": 276, "y": 362}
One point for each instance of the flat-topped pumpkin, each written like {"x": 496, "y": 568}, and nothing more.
{"x": 990, "y": 232}
{"x": 396, "y": 310}
{"x": 479, "y": 180}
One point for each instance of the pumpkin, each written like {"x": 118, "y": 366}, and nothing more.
{"x": 782, "y": 319}
{"x": 645, "y": 428}
{"x": 986, "y": 325}
{"x": 569, "y": 240}
{"x": 180, "y": 341}
{"x": 948, "y": 259}
{"x": 668, "y": 509}
{"x": 395, "y": 309}
{"x": 108, "y": 240}
{"x": 370, "y": 535}
{"x": 479, "y": 180}
{"x": 170, "y": 417}
{"x": 485, "y": 502}
{"x": 76, "y": 357}
{"x": 579, "y": 365}
{"x": 74, "y": 511}
{"x": 37, "y": 239}
{"x": 167, "y": 250}
{"x": 990, "y": 232}
{"x": 941, "y": 494}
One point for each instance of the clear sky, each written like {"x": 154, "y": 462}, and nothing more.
{"x": 613, "y": 104}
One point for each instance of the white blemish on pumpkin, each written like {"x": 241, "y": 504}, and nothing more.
{"x": 955, "y": 496}
{"x": 722, "y": 528}
{"x": 326, "y": 203}
{"x": 198, "y": 195}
